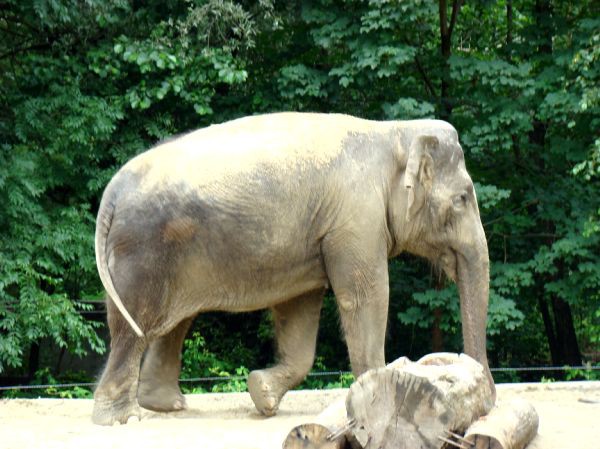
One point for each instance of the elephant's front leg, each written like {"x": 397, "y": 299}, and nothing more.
{"x": 361, "y": 286}
{"x": 364, "y": 325}
{"x": 296, "y": 325}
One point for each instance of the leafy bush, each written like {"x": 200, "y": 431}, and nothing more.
{"x": 590, "y": 372}
{"x": 54, "y": 387}
{"x": 199, "y": 362}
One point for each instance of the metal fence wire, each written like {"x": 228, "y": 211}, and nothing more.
{"x": 313, "y": 374}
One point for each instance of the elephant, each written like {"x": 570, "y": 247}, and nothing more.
{"x": 268, "y": 212}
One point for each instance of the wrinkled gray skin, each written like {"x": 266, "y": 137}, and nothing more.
{"x": 267, "y": 212}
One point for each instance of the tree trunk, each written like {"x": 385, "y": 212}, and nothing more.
{"x": 558, "y": 322}
{"x": 446, "y": 29}
{"x": 509, "y": 26}
{"x": 568, "y": 348}
{"x": 437, "y": 336}
{"x": 34, "y": 360}
{"x": 549, "y": 328}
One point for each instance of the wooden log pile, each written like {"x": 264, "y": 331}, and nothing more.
{"x": 441, "y": 401}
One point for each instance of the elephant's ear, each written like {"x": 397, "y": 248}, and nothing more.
{"x": 419, "y": 167}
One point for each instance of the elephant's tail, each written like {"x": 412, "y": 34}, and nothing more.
{"x": 103, "y": 223}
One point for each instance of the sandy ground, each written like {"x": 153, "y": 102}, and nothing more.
{"x": 569, "y": 418}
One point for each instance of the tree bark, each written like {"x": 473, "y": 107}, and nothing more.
{"x": 559, "y": 326}
{"x": 34, "y": 360}
{"x": 568, "y": 348}
{"x": 549, "y": 328}
{"x": 446, "y": 29}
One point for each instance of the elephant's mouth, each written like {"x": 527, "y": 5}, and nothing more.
{"x": 448, "y": 262}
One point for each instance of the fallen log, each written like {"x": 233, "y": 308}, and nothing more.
{"x": 508, "y": 426}
{"x": 417, "y": 405}
{"x": 405, "y": 405}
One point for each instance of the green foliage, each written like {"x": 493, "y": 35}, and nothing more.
{"x": 53, "y": 387}
{"x": 588, "y": 373}
{"x": 199, "y": 362}
{"x": 408, "y": 108}
{"x": 489, "y": 196}
{"x": 235, "y": 385}
{"x": 318, "y": 381}
{"x": 502, "y": 311}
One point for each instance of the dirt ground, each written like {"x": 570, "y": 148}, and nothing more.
{"x": 569, "y": 419}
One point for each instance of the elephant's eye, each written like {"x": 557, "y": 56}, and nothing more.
{"x": 460, "y": 201}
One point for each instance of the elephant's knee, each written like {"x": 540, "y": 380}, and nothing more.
{"x": 347, "y": 302}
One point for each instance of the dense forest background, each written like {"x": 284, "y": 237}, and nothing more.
{"x": 87, "y": 84}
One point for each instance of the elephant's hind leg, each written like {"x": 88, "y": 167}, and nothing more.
{"x": 159, "y": 377}
{"x": 115, "y": 399}
{"x": 296, "y": 326}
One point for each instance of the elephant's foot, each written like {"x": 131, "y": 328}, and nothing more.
{"x": 266, "y": 389}
{"x": 161, "y": 397}
{"x": 107, "y": 413}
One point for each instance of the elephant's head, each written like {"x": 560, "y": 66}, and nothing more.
{"x": 438, "y": 218}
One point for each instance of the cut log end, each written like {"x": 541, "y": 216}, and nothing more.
{"x": 415, "y": 405}
{"x": 312, "y": 436}
{"x": 395, "y": 409}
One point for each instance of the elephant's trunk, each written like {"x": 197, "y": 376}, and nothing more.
{"x": 473, "y": 280}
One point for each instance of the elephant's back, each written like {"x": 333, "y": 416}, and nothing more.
{"x": 274, "y": 144}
